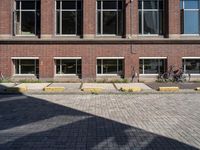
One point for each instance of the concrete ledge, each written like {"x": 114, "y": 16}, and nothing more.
{"x": 54, "y": 89}
{"x": 197, "y": 89}
{"x": 168, "y": 89}
{"x": 92, "y": 90}
{"x": 131, "y": 89}
{"x": 20, "y": 89}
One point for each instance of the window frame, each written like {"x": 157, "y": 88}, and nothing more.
{"x": 109, "y": 58}
{"x": 142, "y": 10}
{"x": 109, "y": 10}
{"x": 183, "y": 9}
{"x": 68, "y": 10}
{"x": 152, "y": 58}
{"x": 19, "y": 67}
{"x": 184, "y": 59}
{"x": 20, "y": 10}
{"x": 60, "y": 65}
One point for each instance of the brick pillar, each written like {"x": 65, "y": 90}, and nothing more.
{"x": 47, "y": 18}
{"x": 88, "y": 68}
{"x": 89, "y": 18}
{"x": 131, "y": 18}
{"x": 173, "y": 10}
{"x": 46, "y": 68}
{"x": 6, "y": 18}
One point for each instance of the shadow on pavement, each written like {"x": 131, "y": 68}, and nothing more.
{"x": 31, "y": 123}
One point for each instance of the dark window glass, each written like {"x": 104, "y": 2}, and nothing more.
{"x": 150, "y": 4}
{"x": 192, "y": 66}
{"x": 17, "y": 5}
{"x": 79, "y": 23}
{"x": 58, "y": 5}
{"x": 150, "y": 22}
{"x": 191, "y": 4}
{"x": 99, "y": 66}
{"x": 109, "y": 5}
{"x": 140, "y": 22}
{"x": 140, "y": 5}
{"x": 79, "y": 70}
{"x": 69, "y": 22}
{"x": 110, "y": 66}
{"x": 27, "y": 4}
{"x": 99, "y": 4}
{"x": 191, "y": 22}
{"x": 27, "y": 66}
{"x": 99, "y": 22}
{"x": 79, "y": 5}
{"x": 109, "y": 22}
{"x": 28, "y": 23}
{"x": 58, "y": 22}
{"x": 68, "y": 4}
{"x": 69, "y": 66}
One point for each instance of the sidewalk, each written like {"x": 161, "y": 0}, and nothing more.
{"x": 97, "y": 88}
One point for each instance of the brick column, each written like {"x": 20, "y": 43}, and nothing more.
{"x": 131, "y": 18}
{"x": 88, "y": 67}
{"x": 46, "y": 68}
{"x": 173, "y": 10}
{"x": 6, "y": 18}
{"x": 89, "y": 18}
{"x": 47, "y": 18}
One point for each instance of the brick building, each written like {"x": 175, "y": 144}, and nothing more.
{"x": 94, "y": 39}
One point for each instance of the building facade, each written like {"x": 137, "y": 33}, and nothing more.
{"x": 98, "y": 39}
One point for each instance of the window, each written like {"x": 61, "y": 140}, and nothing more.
{"x": 27, "y": 17}
{"x": 153, "y": 66}
{"x": 110, "y": 66}
{"x": 191, "y": 66}
{"x": 26, "y": 66}
{"x": 150, "y": 17}
{"x": 110, "y": 17}
{"x": 190, "y": 17}
{"x": 68, "y": 66}
{"x": 68, "y": 17}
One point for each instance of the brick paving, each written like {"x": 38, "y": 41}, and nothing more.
{"x": 100, "y": 122}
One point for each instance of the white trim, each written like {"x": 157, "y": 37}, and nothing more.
{"x": 24, "y": 57}
{"x": 100, "y": 75}
{"x": 190, "y": 57}
{"x": 110, "y": 58}
{"x": 67, "y": 58}
{"x": 152, "y": 57}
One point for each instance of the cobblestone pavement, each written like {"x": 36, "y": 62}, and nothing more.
{"x": 100, "y": 122}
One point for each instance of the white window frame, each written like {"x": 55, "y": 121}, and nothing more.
{"x": 20, "y": 12}
{"x": 66, "y": 10}
{"x": 107, "y": 58}
{"x": 112, "y": 10}
{"x": 182, "y": 22}
{"x": 142, "y": 10}
{"x": 184, "y": 64}
{"x": 19, "y": 67}
{"x": 60, "y": 64}
{"x": 145, "y": 58}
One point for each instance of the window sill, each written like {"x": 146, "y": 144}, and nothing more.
{"x": 25, "y": 37}
{"x": 24, "y": 75}
{"x": 66, "y": 75}
{"x": 67, "y": 36}
{"x": 108, "y": 36}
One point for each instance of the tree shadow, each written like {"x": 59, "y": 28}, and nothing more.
{"x": 31, "y": 123}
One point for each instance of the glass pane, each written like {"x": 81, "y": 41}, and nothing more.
{"x": 120, "y": 23}
{"x": 191, "y": 4}
{"x": 99, "y": 4}
{"x": 110, "y": 66}
{"x": 150, "y": 4}
{"x": 38, "y": 22}
{"x": 58, "y": 22}
{"x": 99, "y": 67}
{"x": 69, "y": 22}
{"x": 161, "y": 4}
{"x": 150, "y": 22}
{"x": 16, "y": 66}
{"x": 79, "y": 22}
{"x": 163, "y": 65}
{"x": 58, "y": 71}
{"x": 17, "y": 5}
{"x": 79, "y": 5}
{"x": 109, "y": 5}
{"x": 68, "y": 4}
{"x": 28, "y": 23}
{"x": 58, "y": 5}
{"x": 109, "y": 22}
{"x": 181, "y": 4}
{"x": 191, "y": 22}
{"x": 79, "y": 70}
{"x": 38, "y": 5}
{"x": 151, "y": 66}
{"x": 141, "y": 66}
{"x": 17, "y": 25}
{"x": 27, "y": 4}
{"x": 140, "y": 4}
{"x": 161, "y": 22}
{"x": 69, "y": 66}
{"x": 193, "y": 66}
{"x": 120, "y": 67}
{"x": 27, "y": 66}
{"x": 140, "y": 22}
{"x": 120, "y": 5}
{"x": 99, "y": 22}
